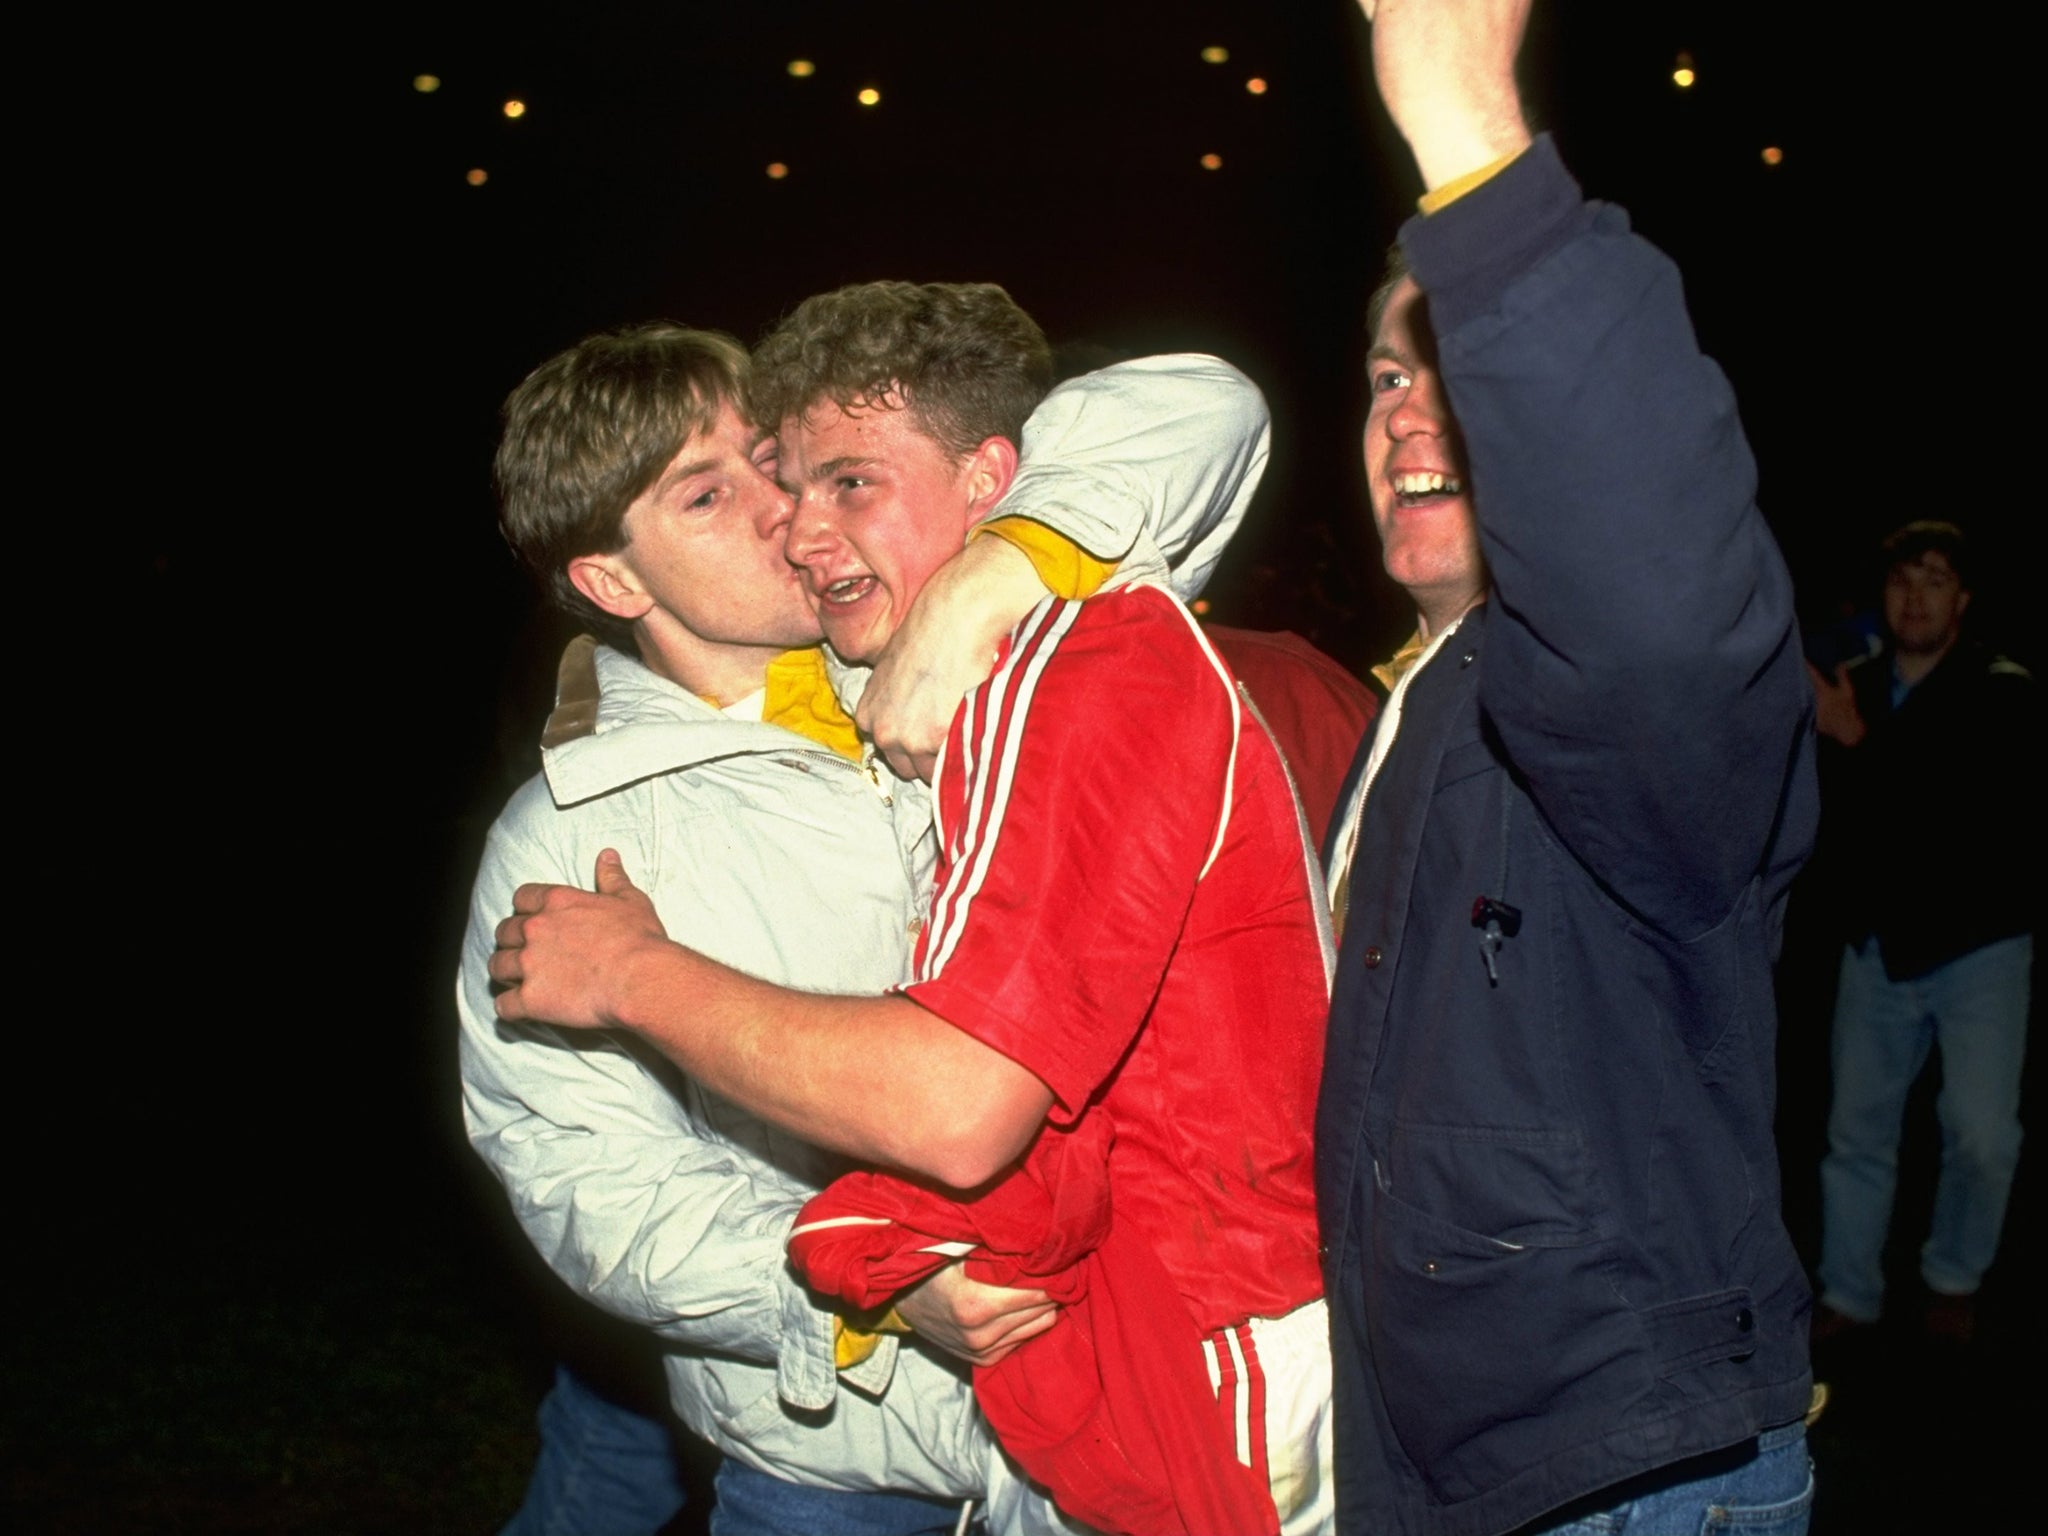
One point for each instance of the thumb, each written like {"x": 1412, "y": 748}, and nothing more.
{"x": 1841, "y": 674}
{"x": 611, "y": 874}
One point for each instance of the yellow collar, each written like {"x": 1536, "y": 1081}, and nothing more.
{"x": 799, "y": 697}
{"x": 1389, "y": 671}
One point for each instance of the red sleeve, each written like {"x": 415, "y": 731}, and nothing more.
{"x": 1079, "y": 801}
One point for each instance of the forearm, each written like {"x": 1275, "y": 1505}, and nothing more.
{"x": 879, "y": 1079}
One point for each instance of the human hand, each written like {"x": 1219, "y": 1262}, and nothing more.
{"x": 944, "y": 647}
{"x": 1446, "y": 71}
{"x": 979, "y": 1323}
{"x": 1835, "y": 714}
{"x": 562, "y": 949}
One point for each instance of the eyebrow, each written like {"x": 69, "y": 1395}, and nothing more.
{"x": 681, "y": 472}
{"x": 1381, "y": 352}
{"x": 840, "y": 465}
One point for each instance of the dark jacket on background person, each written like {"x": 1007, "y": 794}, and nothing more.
{"x": 1933, "y": 820}
{"x": 1549, "y": 1193}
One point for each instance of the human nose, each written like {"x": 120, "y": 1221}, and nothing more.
{"x": 813, "y": 529}
{"x": 1420, "y": 409}
{"x": 773, "y": 516}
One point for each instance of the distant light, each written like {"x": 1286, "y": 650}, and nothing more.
{"x": 1212, "y": 162}
{"x": 515, "y": 108}
{"x": 777, "y": 170}
{"x": 869, "y": 96}
{"x": 426, "y": 85}
{"x": 477, "y": 177}
{"x": 803, "y": 69}
{"x": 1773, "y": 155}
{"x": 1256, "y": 86}
{"x": 1682, "y": 78}
{"x": 1214, "y": 55}
{"x": 1200, "y": 605}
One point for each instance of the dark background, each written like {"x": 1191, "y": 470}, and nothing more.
{"x": 293, "y": 673}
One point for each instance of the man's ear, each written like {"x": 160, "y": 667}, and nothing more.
{"x": 989, "y": 471}
{"x": 610, "y": 582}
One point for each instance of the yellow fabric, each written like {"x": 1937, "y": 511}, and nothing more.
{"x": 798, "y": 697}
{"x": 1065, "y": 567}
{"x": 853, "y": 1341}
{"x": 1458, "y": 186}
{"x": 1389, "y": 671}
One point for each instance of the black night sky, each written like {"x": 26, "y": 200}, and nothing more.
{"x": 327, "y": 674}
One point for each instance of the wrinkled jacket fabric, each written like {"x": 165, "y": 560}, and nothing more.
{"x": 1548, "y": 1189}
{"x": 659, "y": 1201}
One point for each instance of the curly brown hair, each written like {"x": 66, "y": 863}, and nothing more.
{"x": 962, "y": 357}
{"x": 589, "y": 430}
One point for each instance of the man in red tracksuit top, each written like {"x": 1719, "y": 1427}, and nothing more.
{"x": 1126, "y": 925}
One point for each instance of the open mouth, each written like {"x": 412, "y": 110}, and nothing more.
{"x": 1420, "y": 487}
{"x": 848, "y": 589}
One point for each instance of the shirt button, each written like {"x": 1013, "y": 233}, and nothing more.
{"x": 1745, "y": 1320}
{"x": 915, "y": 925}
{"x": 1372, "y": 957}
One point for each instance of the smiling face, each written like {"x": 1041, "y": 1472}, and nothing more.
{"x": 880, "y": 506}
{"x": 703, "y": 575}
{"x": 1415, "y": 468}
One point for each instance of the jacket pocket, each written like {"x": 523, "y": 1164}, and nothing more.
{"x": 1485, "y": 1345}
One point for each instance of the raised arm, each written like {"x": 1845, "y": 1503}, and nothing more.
{"x": 1642, "y": 669}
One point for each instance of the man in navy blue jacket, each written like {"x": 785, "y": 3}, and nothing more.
{"x": 1559, "y": 1281}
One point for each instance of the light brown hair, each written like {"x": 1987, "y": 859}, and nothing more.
{"x": 589, "y": 430}
{"x": 962, "y": 357}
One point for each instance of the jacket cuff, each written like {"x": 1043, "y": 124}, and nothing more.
{"x": 1466, "y": 254}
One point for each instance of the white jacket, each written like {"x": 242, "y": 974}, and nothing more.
{"x": 668, "y": 1206}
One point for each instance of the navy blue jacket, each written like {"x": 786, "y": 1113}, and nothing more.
{"x": 1550, "y": 1200}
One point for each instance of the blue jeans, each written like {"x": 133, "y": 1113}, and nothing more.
{"x": 1975, "y": 1009}
{"x": 603, "y": 1469}
{"x": 1770, "y": 1494}
{"x": 752, "y": 1503}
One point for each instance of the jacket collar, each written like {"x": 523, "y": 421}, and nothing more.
{"x": 616, "y": 722}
